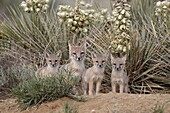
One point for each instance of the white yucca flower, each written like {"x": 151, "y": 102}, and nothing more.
{"x": 162, "y": 10}
{"x": 88, "y": 6}
{"x": 31, "y": 9}
{"x": 104, "y": 11}
{"x": 23, "y": 4}
{"x": 47, "y": 1}
{"x": 26, "y": 9}
{"x": 35, "y": 6}
{"x": 159, "y": 3}
{"x": 122, "y": 27}
{"x": 123, "y": 11}
{"x": 45, "y": 7}
{"x": 35, "y": 1}
{"x": 127, "y": 14}
{"x": 70, "y": 20}
{"x": 82, "y": 3}
{"x": 37, "y": 10}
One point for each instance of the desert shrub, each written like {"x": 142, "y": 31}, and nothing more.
{"x": 13, "y": 75}
{"x": 39, "y": 90}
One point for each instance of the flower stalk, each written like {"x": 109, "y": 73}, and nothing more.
{"x": 122, "y": 24}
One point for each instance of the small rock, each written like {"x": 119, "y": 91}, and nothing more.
{"x": 93, "y": 111}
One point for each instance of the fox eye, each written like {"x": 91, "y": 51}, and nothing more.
{"x": 74, "y": 53}
{"x": 97, "y": 62}
{"x": 82, "y": 53}
{"x": 114, "y": 64}
{"x": 56, "y": 60}
{"x": 50, "y": 61}
{"x": 103, "y": 61}
{"x": 121, "y": 64}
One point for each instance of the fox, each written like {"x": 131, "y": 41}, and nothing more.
{"x": 76, "y": 57}
{"x": 53, "y": 65}
{"x": 93, "y": 76}
{"x": 76, "y": 65}
{"x": 119, "y": 75}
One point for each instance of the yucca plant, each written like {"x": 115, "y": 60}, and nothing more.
{"x": 150, "y": 68}
{"x": 26, "y": 36}
{"x": 148, "y": 57}
{"x": 39, "y": 90}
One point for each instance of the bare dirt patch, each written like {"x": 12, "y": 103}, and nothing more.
{"x": 103, "y": 103}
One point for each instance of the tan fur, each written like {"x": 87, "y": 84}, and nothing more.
{"x": 76, "y": 56}
{"x": 53, "y": 64}
{"x": 95, "y": 74}
{"x": 119, "y": 75}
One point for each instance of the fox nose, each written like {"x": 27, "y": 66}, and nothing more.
{"x": 118, "y": 69}
{"x": 53, "y": 65}
{"x": 78, "y": 58}
{"x": 100, "y": 65}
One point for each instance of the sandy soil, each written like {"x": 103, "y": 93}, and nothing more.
{"x": 103, "y": 103}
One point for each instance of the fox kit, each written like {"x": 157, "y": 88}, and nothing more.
{"x": 53, "y": 64}
{"x": 77, "y": 56}
{"x": 119, "y": 75}
{"x": 95, "y": 74}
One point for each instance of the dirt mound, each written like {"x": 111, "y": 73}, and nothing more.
{"x": 103, "y": 103}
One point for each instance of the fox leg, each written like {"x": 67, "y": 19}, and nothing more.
{"x": 85, "y": 88}
{"x": 90, "y": 87}
{"x": 113, "y": 87}
{"x": 122, "y": 87}
{"x": 126, "y": 88}
{"x": 98, "y": 87}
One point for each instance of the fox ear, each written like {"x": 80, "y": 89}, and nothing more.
{"x": 47, "y": 55}
{"x": 59, "y": 54}
{"x": 106, "y": 54}
{"x": 93, "y": 55}
{"x": 124, "y": 58}
{"x": 84, "y": 44}
{"x": 112, "y": 58}
{"x": 69, "y": 45}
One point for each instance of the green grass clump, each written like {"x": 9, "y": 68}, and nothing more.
{"x": 159, "y": 109}
{"x": 37, "y": 91}
{"x": 68, "y": 108}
